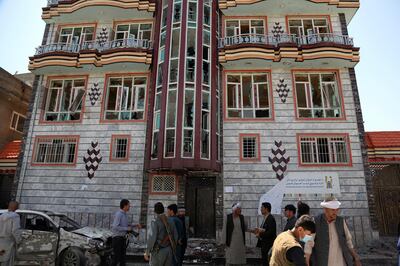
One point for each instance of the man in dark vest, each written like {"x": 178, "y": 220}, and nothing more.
{"x": 333, "y": 244}
{"x": 266, "y": 233}
{"x": 234, "y": 235}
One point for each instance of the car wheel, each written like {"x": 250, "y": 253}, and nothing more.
{"x": 72, "y": 257}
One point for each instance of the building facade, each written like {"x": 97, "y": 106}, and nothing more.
{"x": 14, "y": 100}
{"x": 198, "y": 102}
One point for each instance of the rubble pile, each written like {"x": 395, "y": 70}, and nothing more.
{"x": 201, "y": 251}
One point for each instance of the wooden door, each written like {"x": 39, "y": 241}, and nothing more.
{"x": 200, "y": 206}
{"x": 387, "y": 194}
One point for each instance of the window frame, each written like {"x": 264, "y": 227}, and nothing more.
{"x": 15, "y": 127}
{"x": 339, "y": 88}
{"x": 270, "y": 95}
{"x": 105, "y": 96}
{"x": 308, "y": 17}
{"x": 129, "y": 23}
{"x": 112, "y": 146}
{"x": 225, "y": 19}
{"x": 258, "y": 147}
{"x": 60, "y": 27}
{"x": 53, "y": 137}
{"x": 46, "y": 99}
{"x": 346, "y": 138}
{"x": 152, "y": 192}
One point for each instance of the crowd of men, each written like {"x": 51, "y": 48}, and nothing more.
{"x": 323, "y": 240}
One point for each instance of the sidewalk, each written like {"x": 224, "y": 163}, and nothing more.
{"x": 206, "y": 252}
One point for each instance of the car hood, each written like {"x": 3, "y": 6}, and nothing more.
{"x": 93, "y": 232}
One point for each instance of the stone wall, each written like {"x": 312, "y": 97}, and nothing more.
{"x": 68, "y": 189}
{"x": 251, "y": 180}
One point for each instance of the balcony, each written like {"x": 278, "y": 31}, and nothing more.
{"x": 94, "y": 45}
{"x": 73, "y": 11}
{"x": 287, "y": 46}
{"x": 137, "y": 51}
{"x": 271, "y": 40}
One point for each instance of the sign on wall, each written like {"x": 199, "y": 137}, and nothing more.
{"x": 301, "y": 183}
{"x": 312, "y": 183}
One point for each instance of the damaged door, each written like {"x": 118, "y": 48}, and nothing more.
{"x": 39, "y": 240}
{"x": 200, "y": 206}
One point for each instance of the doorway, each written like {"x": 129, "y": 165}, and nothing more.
{"x": 200, "y": 206}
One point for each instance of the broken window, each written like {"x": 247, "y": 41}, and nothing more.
{"x": 64, "y": 100}
{"x": 317, "y": 95}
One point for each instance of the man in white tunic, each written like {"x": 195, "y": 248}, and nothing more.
{"x": 9, "y": 234}
{"x": 333, "y": 243}
{"x": 233, "y": 233}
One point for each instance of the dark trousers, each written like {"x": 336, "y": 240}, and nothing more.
{"x": 264, "y": 254}
{"x": 119, "y": 248}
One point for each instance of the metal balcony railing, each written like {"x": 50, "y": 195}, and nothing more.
{"x": 94, "y": 45}
{"x": 284, "y": 38}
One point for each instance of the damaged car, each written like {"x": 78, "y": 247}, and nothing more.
{"x": 49, "y": 238}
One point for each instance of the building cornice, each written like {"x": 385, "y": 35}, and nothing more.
{"x": 224, "y": 4}
{"x": 299, "y": 54}
{"x": 70, "y": 6}
{"x": 65, "y": 59}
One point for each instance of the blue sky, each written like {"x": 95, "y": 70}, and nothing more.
{"x": 374, "y": 28}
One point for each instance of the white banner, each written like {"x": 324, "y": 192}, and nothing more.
{"x": 301, "y": 183}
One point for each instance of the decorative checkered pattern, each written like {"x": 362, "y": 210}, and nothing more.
{"x": 163, "y": 183}
{"x": 102, "y": 37}
{"x": 282, "y": 90}
{"x": 277, "y": 30}
{"x": 94, "y": 93}
{"x": 279, "y": 160}
{"x": 92, "y": 159}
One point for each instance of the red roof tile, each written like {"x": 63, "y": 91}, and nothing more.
{"x": 382, "y": 139}
{"x": 11, "y": 150}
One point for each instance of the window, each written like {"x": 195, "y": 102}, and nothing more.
{"x": 36, "y": 222}
{"x": 248, "y": 96}
{"x": 76, "y": 35}
{"x": 17, "y": 122}
{"x": 55, "y": 150}
{"x": 163, "y": 184}
{"x": 234, "y": 27}
{"x": 64, "y": 99}
{"x": 249, "y": 147}
{"x": 125, "y": 98}
{"x": 120, "y": 145}
{"x": 324, "y": 150}
{"x": 141, "y": 31}
{"x": 308, "y": 26}
{"x": 317, "y": 95}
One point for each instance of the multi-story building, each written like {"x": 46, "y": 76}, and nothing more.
{"x": 183, "y": 101}
{"x": 15, "y": 95}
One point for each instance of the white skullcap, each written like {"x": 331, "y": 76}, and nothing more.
{"x": 236, "y": 206}
{"x": 331, "y": 203}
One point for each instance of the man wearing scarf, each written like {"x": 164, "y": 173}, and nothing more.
{"x": 234, "y": 237}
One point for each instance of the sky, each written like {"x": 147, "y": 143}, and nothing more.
{"x": 374, "y": 29}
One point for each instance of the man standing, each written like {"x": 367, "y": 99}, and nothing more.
{"x": 161, "y": 241}
{"x": 333, "y": 244}
{"x": 234, "y": 236}
{"x": 185, "y": 223}
{"x": 287, "y": 249}
{"x": 9, "y": 234}
{"x": 171, "y": 212}
{"x": 120, "y": 228}
{"x": 266, "y": 233}
{"x": 290, "y": 213}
